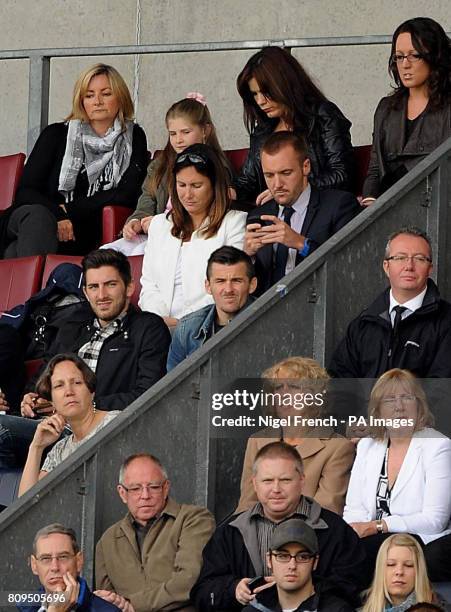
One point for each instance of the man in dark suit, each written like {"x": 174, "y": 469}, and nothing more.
{"x": 299, "y": 218}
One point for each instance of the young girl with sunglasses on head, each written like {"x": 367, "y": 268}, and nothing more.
{"x": 188, "y": 122}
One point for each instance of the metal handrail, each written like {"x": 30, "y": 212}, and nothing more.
{"x": 172, "y": 418}
{"x": 39, "y": 70}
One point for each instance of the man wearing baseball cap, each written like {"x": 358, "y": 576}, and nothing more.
{"x": 292, "y": 557}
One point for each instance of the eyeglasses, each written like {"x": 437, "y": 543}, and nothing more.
{"x": 300, "y": 557}
{"x": 393, "y": 400}
{"x": 398, "y": 58}
{"x": 194, "y": 159}
{"x": 152, "y": 487}
{"x": 403, "y": 259}
{"x": 61, "y": 558}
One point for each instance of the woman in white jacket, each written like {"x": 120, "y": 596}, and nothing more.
{"x": 181, "y": 241}
{"x": 401, "y": 478}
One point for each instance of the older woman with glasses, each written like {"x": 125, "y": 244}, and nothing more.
{"x": 416, "y": 118}
{"x": 181, "y": 240}
{"x": 69, "y": 384}
{"x": 401, "y": 478}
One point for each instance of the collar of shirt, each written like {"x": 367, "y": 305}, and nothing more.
{"x": 300, "y": 208}
{"x": 112, "y": 325}
{"x": 302, "y": 509}
{"x": 411, "y": 305}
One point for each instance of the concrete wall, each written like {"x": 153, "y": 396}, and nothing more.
{"x": 354, "y": 77}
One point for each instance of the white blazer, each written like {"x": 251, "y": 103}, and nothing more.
{"x": 421, "y": 496}
{"x": 160, "y": 262}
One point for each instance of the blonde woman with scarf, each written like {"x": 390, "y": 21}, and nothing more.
{"x": 98, "y": 156}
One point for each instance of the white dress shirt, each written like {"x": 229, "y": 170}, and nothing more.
{"x": 296, "y": 222}
{"x": 410, "y": 305}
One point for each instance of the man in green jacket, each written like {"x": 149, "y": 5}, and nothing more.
{"x": 152, "y": 557}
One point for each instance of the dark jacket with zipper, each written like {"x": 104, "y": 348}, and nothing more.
{"x": 423, "y": 345}
{"x": 329, "y": 150}
{"x": 232, "y": 554}
{"x": 130, "y": 361}
{"x": 392, "y": 155}
{"x": 324, "y": 599}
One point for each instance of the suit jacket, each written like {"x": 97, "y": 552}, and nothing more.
{"x": 327, "y": 212}
{"x": 160, "y": 263}
{"x": 327, "y": 466}
{"x": 420, "y": 501}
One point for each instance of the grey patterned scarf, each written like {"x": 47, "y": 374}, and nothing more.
{"x": 106, "y": 157}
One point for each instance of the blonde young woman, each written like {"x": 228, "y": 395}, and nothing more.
{"x": 98, "y": 156}
{"x": 401, "y": 478}
{"x": 400, "y": 578}
{"x": 69, "y": 384}
{"x": 327, "y": 457}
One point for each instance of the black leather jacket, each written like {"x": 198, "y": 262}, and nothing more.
{"x": 392, "y": 155}
{"x": 330, "y": 152}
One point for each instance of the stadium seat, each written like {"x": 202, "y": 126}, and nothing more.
{"x": 11, "y": 167}
{"x": 113, "y": 219}
{"x": 362, "y": 159}
{"x": 51, "y": 261}
{"x": 19, "y": 279}
{"x": 136, "y": 264}
{"x": 237, "y": 157}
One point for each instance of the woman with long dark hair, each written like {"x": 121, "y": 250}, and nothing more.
{"x": 416, "y": 118}
{"x": 181, "y": 240}
{"x": 278, "y": 94}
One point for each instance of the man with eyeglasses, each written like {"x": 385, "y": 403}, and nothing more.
{"x": 57, "y": 561}
{"x": 408, "y": 326}
{"x": 151, "y": 557}
{"x": 291, "y": 560}
{"x": 237, "y": 552}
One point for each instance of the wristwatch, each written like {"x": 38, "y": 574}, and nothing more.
{"x": 380, "y": 526}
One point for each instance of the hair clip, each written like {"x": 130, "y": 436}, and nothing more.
{"x": 195, "y": 95}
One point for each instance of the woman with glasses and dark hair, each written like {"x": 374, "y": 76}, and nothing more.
{"x": 68, "y": 384}
{"x": 278, "y": 94}
{"x": 181, "y": 240}
{"x": 416, "y": 118}
{"x": 401, "y": 478}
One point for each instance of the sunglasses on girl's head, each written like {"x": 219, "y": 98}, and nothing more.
{"x": 194, "y": 159}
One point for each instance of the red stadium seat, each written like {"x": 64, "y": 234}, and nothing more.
{"x": 362, "y": 155}
{"x": 237, "y": 157}
{"x": 52, "y": 261}
{"x": 136, "y": 264}
{"x": 11, "y": 167}
{"x": 113, "y": 220}
{"x": 19, "y": 279}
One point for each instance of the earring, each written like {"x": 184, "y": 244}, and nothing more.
{"x": 94, "y": 408}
